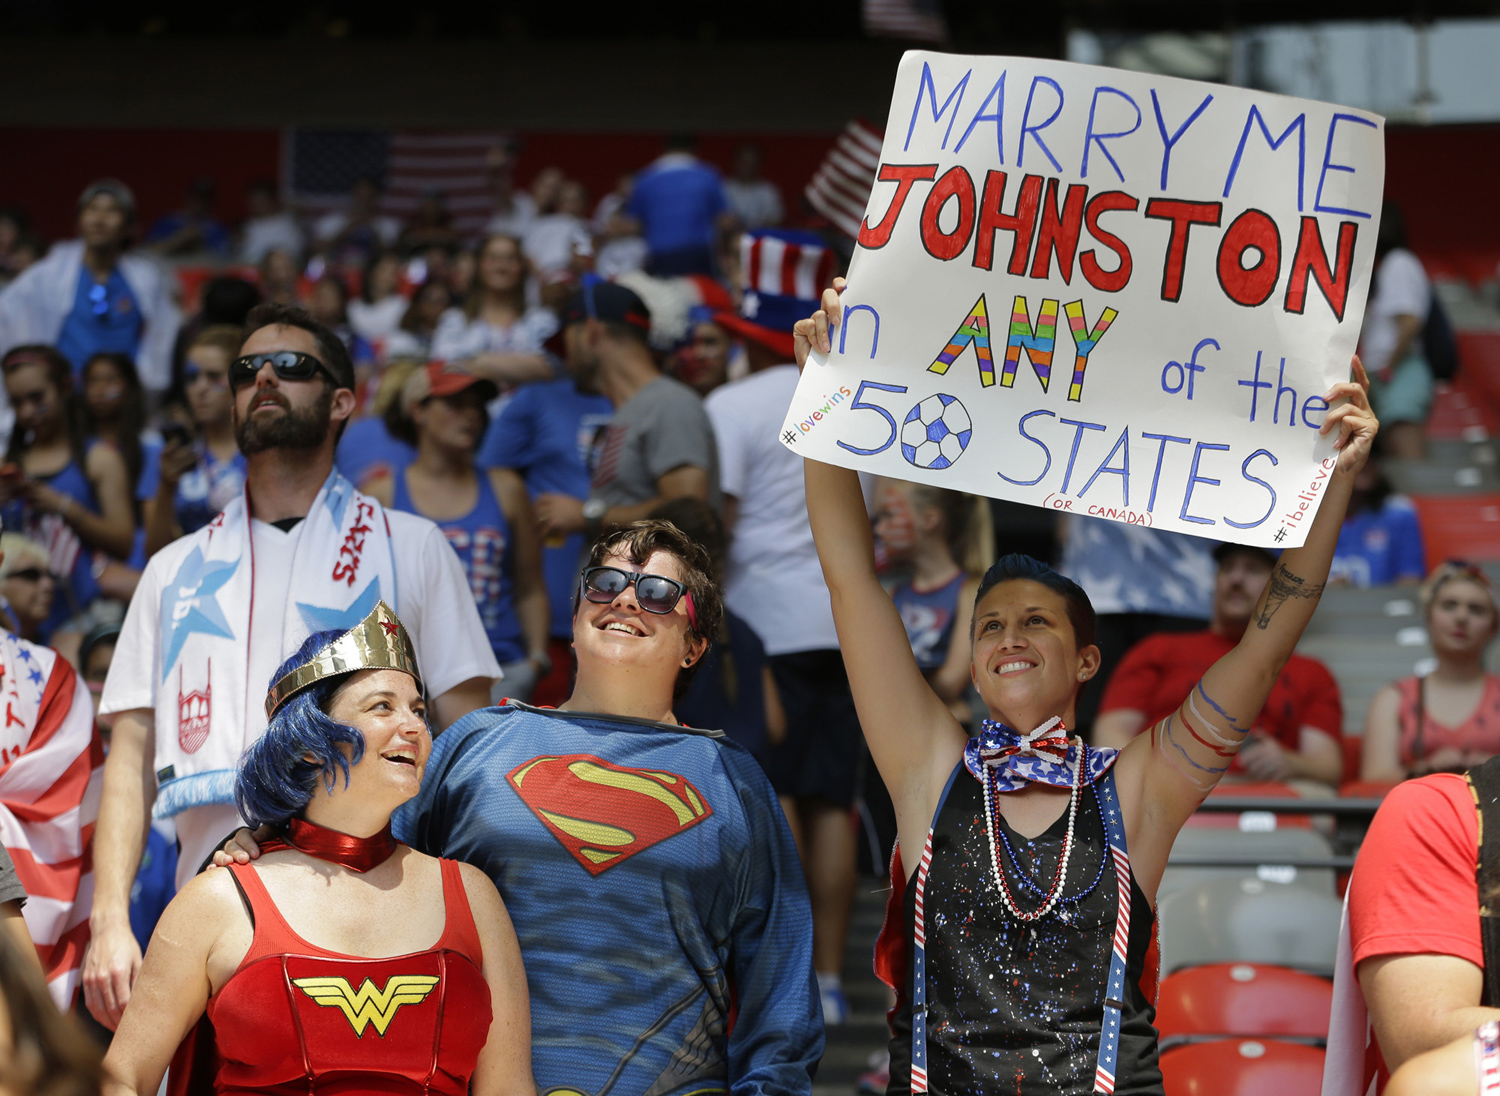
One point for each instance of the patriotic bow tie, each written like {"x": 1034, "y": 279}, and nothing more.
{"x": 1044, "y": 756}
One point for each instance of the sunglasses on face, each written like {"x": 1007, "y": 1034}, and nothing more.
{"x": 653, "y": 593}
{"x": 32, "y": 574}
{"x": 290, "y": 365}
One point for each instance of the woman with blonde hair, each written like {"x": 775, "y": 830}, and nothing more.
{"x": 496, "y": 334}
{"x": 1447, "y": 720}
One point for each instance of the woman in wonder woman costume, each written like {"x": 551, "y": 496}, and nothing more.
{"x": 342, "y": 961}
{"x": 1028, "y": 861}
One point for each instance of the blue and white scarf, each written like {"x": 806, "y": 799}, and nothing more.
{"x": 344, "y": 564}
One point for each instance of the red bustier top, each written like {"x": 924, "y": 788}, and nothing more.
{"x": 296, "y": 1018}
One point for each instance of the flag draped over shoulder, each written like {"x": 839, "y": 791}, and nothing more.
{"x": 51, "y": 768}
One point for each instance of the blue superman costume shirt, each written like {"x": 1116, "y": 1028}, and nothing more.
{"x": 656, "y": 893}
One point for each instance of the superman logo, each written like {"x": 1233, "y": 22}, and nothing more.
{"x": 604, "y": 814}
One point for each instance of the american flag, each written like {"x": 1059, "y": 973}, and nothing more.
{"x": 51, "y": 770}
{"x": 840, "y": 188}
{"x": 322, "y": 166}
{"x": 915, "y": 20}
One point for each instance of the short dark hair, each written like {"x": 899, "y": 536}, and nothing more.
{"x": 636, "y": 542}
{"x": 1019, "y": 567}
{"x": 331, "y": 349}
{"x": 280, "y": 771}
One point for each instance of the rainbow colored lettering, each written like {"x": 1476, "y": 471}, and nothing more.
{"x": 975, "y": 329}
{"x": 1084, "y": 341}
{"x": 1037, "y": 341}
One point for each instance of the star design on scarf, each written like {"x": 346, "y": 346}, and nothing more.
{"x": 319, "y": 618}
{"x": 195, "y": 609}
{"x": 35, "y": 676}
{"x": 24, "y": 655}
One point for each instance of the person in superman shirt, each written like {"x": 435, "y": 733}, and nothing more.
{"x": 650, "y": 874}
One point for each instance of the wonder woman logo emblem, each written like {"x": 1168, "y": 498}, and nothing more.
{"x": 367, "y": 1006}
{"x": 603, "y": 814}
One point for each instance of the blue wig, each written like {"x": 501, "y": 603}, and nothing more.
{"x": 280, "y": 771}
{"x": 1022, "y": 567}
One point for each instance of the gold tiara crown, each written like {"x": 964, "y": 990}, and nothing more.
{"x": 379, "y": 642}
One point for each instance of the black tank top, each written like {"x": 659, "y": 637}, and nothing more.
{"x": 1016, "y": 1008}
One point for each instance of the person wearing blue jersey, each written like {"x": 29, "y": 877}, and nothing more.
{"x": 679, "y": 202}
{"x": 484, "y": 513}
{"x": 546, "y": 433}
{"x": 648, "y": 870}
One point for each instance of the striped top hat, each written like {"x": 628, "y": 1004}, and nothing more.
{"x": 783, "y": 273}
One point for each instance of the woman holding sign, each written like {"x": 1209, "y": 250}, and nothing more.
{"x": 1020, "y": 957}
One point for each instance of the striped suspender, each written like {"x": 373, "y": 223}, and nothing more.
{"x": 1114, "y": 989}
{"x": 1114, "y": 996}
{"x": 919, "y": 954}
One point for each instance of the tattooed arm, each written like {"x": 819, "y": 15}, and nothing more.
{"x": 1170, "y": 771}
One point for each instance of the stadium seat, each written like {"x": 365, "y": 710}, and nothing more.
{"x": 1222, "y": 999}
{"x": 1268, "y": 851}
{"x": 1224, "y": 820}
{"x": 1460, "y": 526}
{"x": 1249, "y": 920}
{"x": 1243, "y": 1067}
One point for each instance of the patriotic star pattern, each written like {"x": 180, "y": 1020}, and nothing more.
{"x": 1037, "y": 757}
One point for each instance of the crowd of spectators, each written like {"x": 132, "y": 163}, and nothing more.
{"x": 583, "y": 364}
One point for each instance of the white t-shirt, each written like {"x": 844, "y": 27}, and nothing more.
{"x": 457, "y": 337}
{"x": 376, "y": 321}
{"x": 433, "y": 599}
{"x": 1401, "y": 289}
{"x": 774, "y": 580}
{"x": 262, "y": 235}
{"x": 551, "y": 241}
{"x": 756, "y": 203}
{"x": 331, "y": 224}
{"x": 516, "y": 220}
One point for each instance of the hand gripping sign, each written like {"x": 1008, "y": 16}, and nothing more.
{"x": 1102, "y": 292}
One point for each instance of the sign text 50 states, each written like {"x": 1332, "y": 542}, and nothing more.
{"x": 1102, "y": 292}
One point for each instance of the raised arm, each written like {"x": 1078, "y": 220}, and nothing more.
{"x": 1173, "y": 768}
{"x": 912, "y": 735}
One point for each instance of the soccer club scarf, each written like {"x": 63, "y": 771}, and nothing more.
{"x": 51, "y": 767}
{"x": 344, "y": 563}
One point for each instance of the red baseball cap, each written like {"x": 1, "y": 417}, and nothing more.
{"x": 442, "y": 378}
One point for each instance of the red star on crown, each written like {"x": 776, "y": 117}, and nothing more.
{"x": 389, "y": 626}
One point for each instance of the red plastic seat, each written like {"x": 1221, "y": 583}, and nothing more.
{"x": 1243, "y": 1067}
{"x": 1250, "y": 789}
{"x": 1460, "y": 526}
{"x": 1221, "y": 999}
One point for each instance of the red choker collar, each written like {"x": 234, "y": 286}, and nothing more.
{"x": 355, "y": 853}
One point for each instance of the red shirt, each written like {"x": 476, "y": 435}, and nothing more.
{"x": 1156, "y": 675}
{"x": 1414, "y": 890}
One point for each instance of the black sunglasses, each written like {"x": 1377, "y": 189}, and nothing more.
{"x": 36, "y": 574}
{"x": 653, "y": 593}
{"x": 290, "y": 365}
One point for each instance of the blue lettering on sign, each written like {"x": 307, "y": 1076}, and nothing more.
{"x": 1021, "y": 427}
{"x": 1329, "y": 165}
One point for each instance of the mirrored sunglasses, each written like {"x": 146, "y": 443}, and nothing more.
{"x": 653, "y": 593}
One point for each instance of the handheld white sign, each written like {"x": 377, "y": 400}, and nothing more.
{"x": 1103, "y": 292}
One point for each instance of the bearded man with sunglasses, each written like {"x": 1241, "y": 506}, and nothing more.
{"x": 647, "y": 867}
{"x": 217, "y": 611}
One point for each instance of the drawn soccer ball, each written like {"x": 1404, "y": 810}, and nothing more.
{"x": 936, "y": 432}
